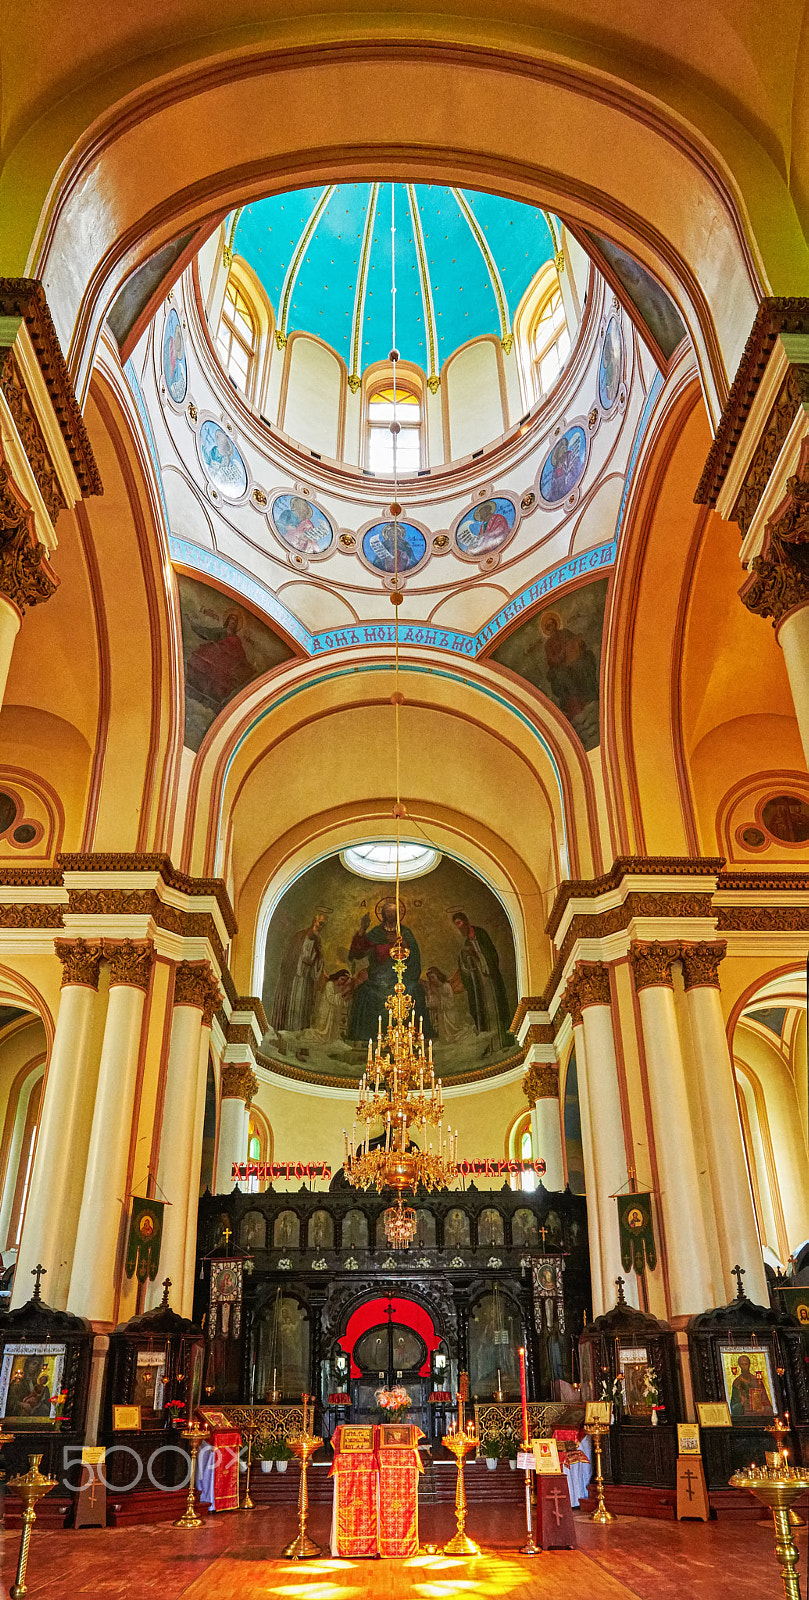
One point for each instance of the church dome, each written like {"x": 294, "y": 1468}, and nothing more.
{"x": 464, "y": 260}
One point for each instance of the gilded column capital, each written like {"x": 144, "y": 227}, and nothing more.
{"x": 571, "y": 1000}
{"x": 651, "y": 964}
{"x": 26, "y": 577}
{"x": 195, "y": 985}
{"x": 130, "y": 963}
{"x": 778, "y": 581}
{"x": 239, "y": 1082}
{"x": 593, "y": 980}
{"x": 701, "y": 963}
{"x": 541, "y": 1082}
{"x": 81, "y": 962}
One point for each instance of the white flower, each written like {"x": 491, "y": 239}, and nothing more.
{"x": 390, "y": 1262}
{"x": 351, "y": 1265}
{"x": 494, "y": 1261}
{"x": 423, "y": 1261}
{"x": 320, "y": 1265}
{"x": 285, "y": 1265}
{"x": 457, "y": 1261}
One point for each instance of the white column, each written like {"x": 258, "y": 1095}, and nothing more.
{"x": 64, "y": 1129}
{"x": 541, "y": 1084}
{"x": 607, "y": 1123}
{"x": 690, "y": 1281}
{"x": 176, "y": 1138}
{"x": 546, "y": 1130}
{"x": 10, "y": 620}
{"x": 238, "y": 1087}
{"x": 793, "y": 637}
{"x": 730, "y": 1183}
{"x": 187, "y": 1304}
{"x": 100, "y": 1236}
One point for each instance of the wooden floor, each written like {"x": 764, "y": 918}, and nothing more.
{"x": 236, "y": 1557}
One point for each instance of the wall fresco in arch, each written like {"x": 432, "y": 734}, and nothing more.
{"x": 558, "y": 650}
{"x": 328, "y": 969}
{"x": 225, "y": 647}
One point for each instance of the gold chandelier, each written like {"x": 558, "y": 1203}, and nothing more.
{"x": 399, "y": 1087}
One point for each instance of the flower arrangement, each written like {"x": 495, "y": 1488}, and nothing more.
{"x": 393, "y": 1402}
{"x": 174, "y": 1410}
{"x": 613, "y": 1393}
{"x": 651, "y": 1391}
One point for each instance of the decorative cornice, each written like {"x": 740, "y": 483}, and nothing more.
{"x": 651, "y": 964}
{"x": 31, "y": 916}
{"x": 603, "y": 924}
{"x": 701, "y": 963}
{"x": 529, "y": 1003}
{"x": 25, "y": 298}
{"x": 541, "y": 1082}
{"x": 251, "y": 1002}
{"x": 763, "y": 919}
{"x": 130, "y": 963}
{"x": 30, "y": 877}
{"x": 147, "y": 903}
{"x": 744, "y": 881}
{"x": 195, "y": 985}
{"x": 539, "y": 1033}
{"x": 629, "y": 866}
{"x": 593, "y": 982}
{"x": 240, "y": 1033}
{"x": 81, "y": 962}
{"x": 129, "y": 862}
{"x": 26, "y": 577}
{"x": 239, "y": 1082}
{"x": 793, "y": 394}
{"x": 31, "y": 435}
{"x": 774, "y": 317}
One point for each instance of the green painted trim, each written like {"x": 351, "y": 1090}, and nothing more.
{"x": 288, "y": 287}
{"x": 362, "y": 281}
{"x": 426, "y": 291}
{"x": 490, "y": 263}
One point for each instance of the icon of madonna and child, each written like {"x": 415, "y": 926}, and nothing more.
{"x": 323, "y": 1013}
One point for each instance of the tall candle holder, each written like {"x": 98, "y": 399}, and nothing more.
{"x": 303, "y": 1445}
{"x": 597, "y": 1431}
{"x": 30, "y": 1486}
{"x": 781, "y": 1429}
{"x": 194, "y": 1435}
{"x": 249, "y": 1431}
{"x": 459, "y": 1440}
{"x": 778, "y": 1488}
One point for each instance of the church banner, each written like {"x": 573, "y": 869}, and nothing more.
{"x": 637, "y": 1232}
{"x": 145, "y": 1234}
{"x": 796, "y": 1302}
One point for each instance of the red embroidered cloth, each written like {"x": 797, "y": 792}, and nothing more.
{"x": 399, "y": 1469}
{"x": 355, "y": 1512}
{"x": 218, "y": 1471}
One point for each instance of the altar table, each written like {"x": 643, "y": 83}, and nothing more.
{"x": 375, "y": 1508}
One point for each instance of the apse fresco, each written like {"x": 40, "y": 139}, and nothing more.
{"x": 328, "y": 969}
{"x": 558, "y": 650}
{"x": 224, "y": 648}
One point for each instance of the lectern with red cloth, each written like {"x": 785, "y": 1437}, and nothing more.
{"x": 399, "y": 1469}
{"x": 355, "y": 1512}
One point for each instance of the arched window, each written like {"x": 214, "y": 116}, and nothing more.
{"x": 237, "y": 338}
{"x": 520, "y": 1147}
{"x": 550, "y": 342}
{"x": 378, "y": 437}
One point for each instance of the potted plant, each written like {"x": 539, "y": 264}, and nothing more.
{"x": 490, "y": 1450}
{"x": 510, "y": 1448}
{"x": 282, "y": 1455}
{"x": 268, "y": 1450}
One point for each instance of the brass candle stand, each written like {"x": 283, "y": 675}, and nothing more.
{"x": 195, "y": 1436}
{"x": 249, "y": 1431}
{"x": 778, "y": 1488}
{"x": 459, "y": 1442}
{"x": 781, "y": 1429}
{"x": 302, "y": 1547}
{"x": 597, "y": 1431}
{"x": 30, "y": 1486}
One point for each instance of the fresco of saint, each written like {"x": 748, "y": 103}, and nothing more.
{"x": 369, "y": 997}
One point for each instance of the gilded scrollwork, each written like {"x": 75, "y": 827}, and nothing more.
{"x": 81, "y": 962}
{"x": 239, "y": 1082}
{"x": 130, "y": 962}
{"x": 701, "y": 963}
{"x": 651, "y": 963}
{"x": 541, "y": 1082}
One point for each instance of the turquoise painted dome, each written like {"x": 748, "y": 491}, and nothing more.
{"x": 463, "y": 262}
